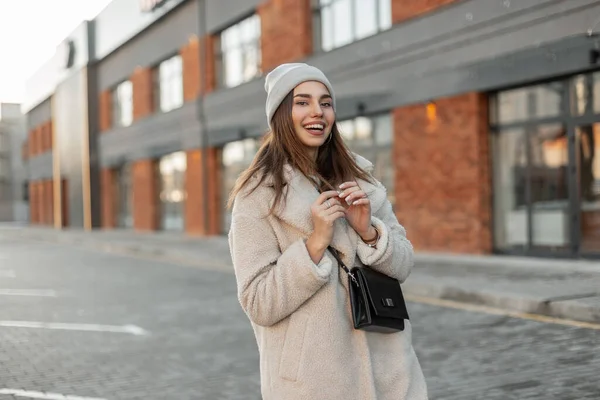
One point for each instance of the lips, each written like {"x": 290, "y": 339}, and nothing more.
{"x": 316, "y": 129}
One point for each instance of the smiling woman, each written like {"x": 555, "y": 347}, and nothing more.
{"x": 315, "y": 205}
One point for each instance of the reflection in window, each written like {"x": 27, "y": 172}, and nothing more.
{"x": 238, "y": 52}
{"x": 168, "y": 81}
{"x": 236, "y": 157}
{"x": 124, "y": 197}
{"x": 122, "y": 101}
{"x": 509, "y": 168}
{"x": 172, "y": 193}
{"x": 371, "y": 137}
{"x": 345, "y": 21}
{"x": 540, "y": 101}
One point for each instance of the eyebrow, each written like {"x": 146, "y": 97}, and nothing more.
{"x": 308, "y": 96}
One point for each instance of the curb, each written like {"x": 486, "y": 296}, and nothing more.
{"x": 572, "y": 310}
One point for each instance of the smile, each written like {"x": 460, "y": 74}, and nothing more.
{"x": 315, "y": 129}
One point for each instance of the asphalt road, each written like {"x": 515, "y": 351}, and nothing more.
{"x": 77, "y": 324}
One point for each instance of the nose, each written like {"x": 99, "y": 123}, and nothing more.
{"x": 316, "y": 109}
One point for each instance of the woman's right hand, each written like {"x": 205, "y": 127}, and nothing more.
{"x": 325, "y": 211}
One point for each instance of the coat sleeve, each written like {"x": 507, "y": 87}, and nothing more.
{"x": 393, "y": 255}
{"x": 271, "y": 284}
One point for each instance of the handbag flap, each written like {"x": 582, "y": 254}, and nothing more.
{"x": 383, "y": 292}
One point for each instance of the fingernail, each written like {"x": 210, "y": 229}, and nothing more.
{"x": 342, "y": 186}
{"x": 348, "y": 201}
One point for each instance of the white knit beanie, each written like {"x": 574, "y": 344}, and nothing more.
{"x": 283, "y": 79}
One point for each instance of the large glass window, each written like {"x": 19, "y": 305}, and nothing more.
{"x": 124, "y": 197}
{"x": 236, "y": 157}
{"x": 122, "y": 102}
{"x": 341, "y": 22}
{"x": 371, "y": 137}
{"x": 168, "y": 84}
{"x": 172, "y": 194}
{"x": 238, "y": 55}
{"x": 546, "y": 175}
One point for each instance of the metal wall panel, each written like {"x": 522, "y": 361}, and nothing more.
{"x": 156, "y": 135}
{"x": 40, "y": 167}
{"x": 222, "y": 13}
{"x": 158, "y": 42}
{"x": 474, "y": 45}
{"x": 40, "y": 114}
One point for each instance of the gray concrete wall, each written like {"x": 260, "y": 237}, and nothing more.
{"x": 13, "y": 206}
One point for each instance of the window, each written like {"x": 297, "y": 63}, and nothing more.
{"x": 235, "y": 158}
{"x": 168, "y": 84}
{"x": 342, "y": 22}
{"x": 238, "y": 53}
{"x": 172, "y": 193}
{"x": 122, "y": 101}
{"x": 372, "y": 137}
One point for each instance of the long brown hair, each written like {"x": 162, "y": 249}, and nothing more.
{"x": 335, "y": 163}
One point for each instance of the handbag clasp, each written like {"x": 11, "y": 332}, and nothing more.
{"x": 388, "y": 302}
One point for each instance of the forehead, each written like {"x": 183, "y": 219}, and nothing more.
{"x": 313, "y": 88}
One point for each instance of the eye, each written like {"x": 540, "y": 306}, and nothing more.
{"x": 326, "y": 104}
{"x": 302, "y": 103}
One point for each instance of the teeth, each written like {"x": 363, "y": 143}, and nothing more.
{"x": 315, "y": 126}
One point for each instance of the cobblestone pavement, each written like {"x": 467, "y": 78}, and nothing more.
{"x": 200, "y": 345}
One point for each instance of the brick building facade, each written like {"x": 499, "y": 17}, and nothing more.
{"x": 177, "y": 112}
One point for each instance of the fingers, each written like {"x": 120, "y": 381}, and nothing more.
{"x": 326, "y": 196}
{"x": 353, "y": 194}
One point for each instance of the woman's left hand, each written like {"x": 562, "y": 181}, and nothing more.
{"x": 358, "y": 208}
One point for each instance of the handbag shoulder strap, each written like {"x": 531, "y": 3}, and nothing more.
{"x": 335, "y": 254}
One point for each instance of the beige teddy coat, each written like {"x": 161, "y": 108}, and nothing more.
{"x": 300, "y": 311}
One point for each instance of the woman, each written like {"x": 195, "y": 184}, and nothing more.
{"x": 304, "y": 192}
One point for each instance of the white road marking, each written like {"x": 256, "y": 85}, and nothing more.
{"x": 131, "y": 329}
{"x": 44, "y": 395}
{"x": 7, "y": 273}
{"x": 28, "y": 292}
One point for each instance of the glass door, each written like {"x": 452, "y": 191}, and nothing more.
{"x": 548, "y": 183}
{"x": 587, "y": 141}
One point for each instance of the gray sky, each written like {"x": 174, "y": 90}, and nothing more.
{"x": 30, "y": 31}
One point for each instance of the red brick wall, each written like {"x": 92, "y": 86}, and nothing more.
{"x": 443, "y": 182}
{"x": 214, "y": 191}
{"x": 40, "y": 139}
{"x": 193, "y": 85}
{"x": 190, "y": 58}
{"x": 145, "y": 201}
{"x": 41, "y": 202}
{"x": 108, "y": 215}
{"x": 105, "y": 110}
{"x": 403, "y": 10}
{"x": 143, "y": 104}
{"x": 286, "y": 31}
{"x": 195, "y": 218}
{"x": 210, "y": 77}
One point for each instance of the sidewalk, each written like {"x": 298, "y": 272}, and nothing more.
{"x": 567, "y": 289}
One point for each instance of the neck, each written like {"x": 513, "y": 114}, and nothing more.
{"x": 312, "y": 153}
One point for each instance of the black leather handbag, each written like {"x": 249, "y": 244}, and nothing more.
{"x": 376, "y": 299}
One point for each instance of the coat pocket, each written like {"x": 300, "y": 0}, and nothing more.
{"x": 293, "y": 345}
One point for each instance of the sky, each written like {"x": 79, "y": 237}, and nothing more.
{"x": 30, "y": 31}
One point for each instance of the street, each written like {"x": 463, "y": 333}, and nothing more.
{"x": 84, "y": 324}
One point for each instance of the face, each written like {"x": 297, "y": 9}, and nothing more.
{"x": 312, "y": 113}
